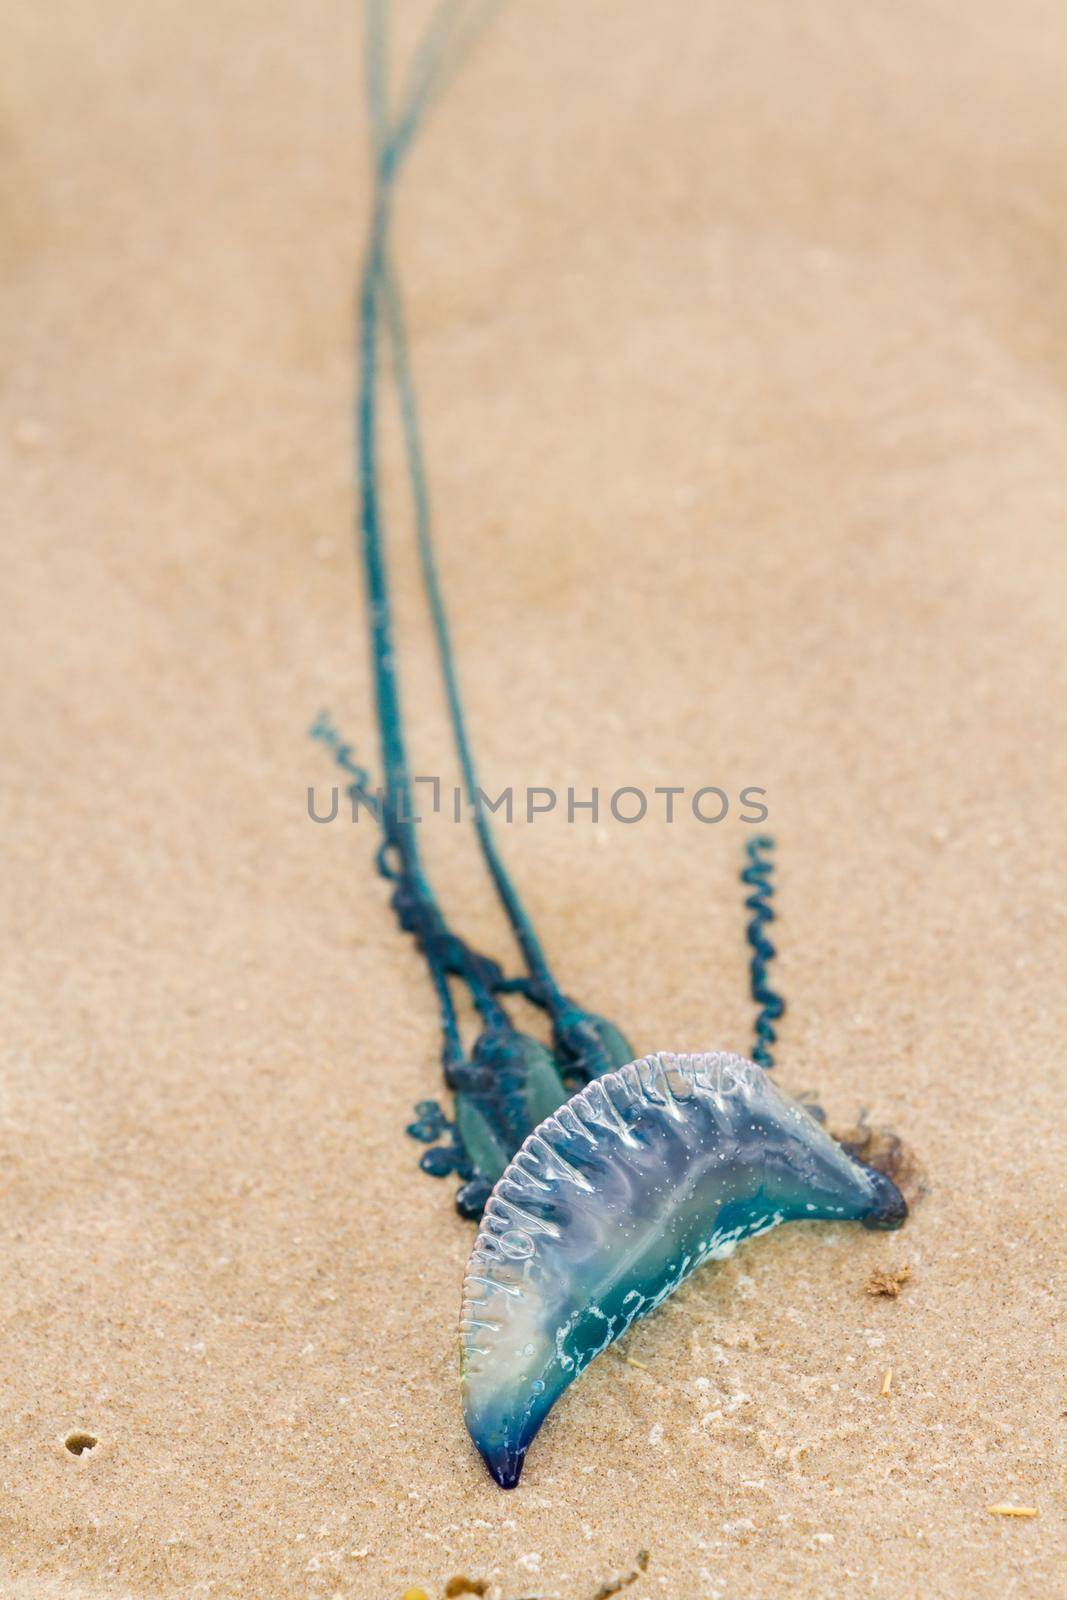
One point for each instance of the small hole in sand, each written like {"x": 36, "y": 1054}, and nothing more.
{"x": 78, "y": 1442}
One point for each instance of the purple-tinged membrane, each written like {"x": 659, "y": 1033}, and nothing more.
{"x": 611, "y": 1203}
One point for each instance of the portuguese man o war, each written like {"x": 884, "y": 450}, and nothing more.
{"x": 611, "y": 1203}
{"x": 602, "y": 1181}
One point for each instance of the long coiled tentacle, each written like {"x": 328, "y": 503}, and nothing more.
{"x": 758, "y": 874}
{"x": 585, "y": 1043}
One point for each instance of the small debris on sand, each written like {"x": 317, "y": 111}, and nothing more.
{"x": 456, "y": 1586}
{"x": 78, "y": 1442}
{"x": 888, "y": 1283}
{"x": 1013, "y": 1511}
{"x": 887, "y": 1383}
{"x": 613, "y": 1585}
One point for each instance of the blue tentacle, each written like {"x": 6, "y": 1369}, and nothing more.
{"x": 758, "y": 875}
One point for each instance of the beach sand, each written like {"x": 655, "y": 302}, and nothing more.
{"x": 741, "y": 341}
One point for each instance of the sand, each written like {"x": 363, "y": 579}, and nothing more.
{"x": 740, "y": 334}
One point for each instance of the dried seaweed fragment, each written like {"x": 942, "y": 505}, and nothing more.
{"x": 888, "y": 1283}
{"x": 887, "y": 1153}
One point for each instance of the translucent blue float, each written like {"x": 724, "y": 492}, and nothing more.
{"x": 611, "y": 1203}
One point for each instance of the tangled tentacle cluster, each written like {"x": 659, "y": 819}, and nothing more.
{"x": 507, "y": 1081}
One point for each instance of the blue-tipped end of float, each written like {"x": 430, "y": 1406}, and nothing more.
{"x": 505, "y": 1463}
{"x": 891, "y": 1210}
